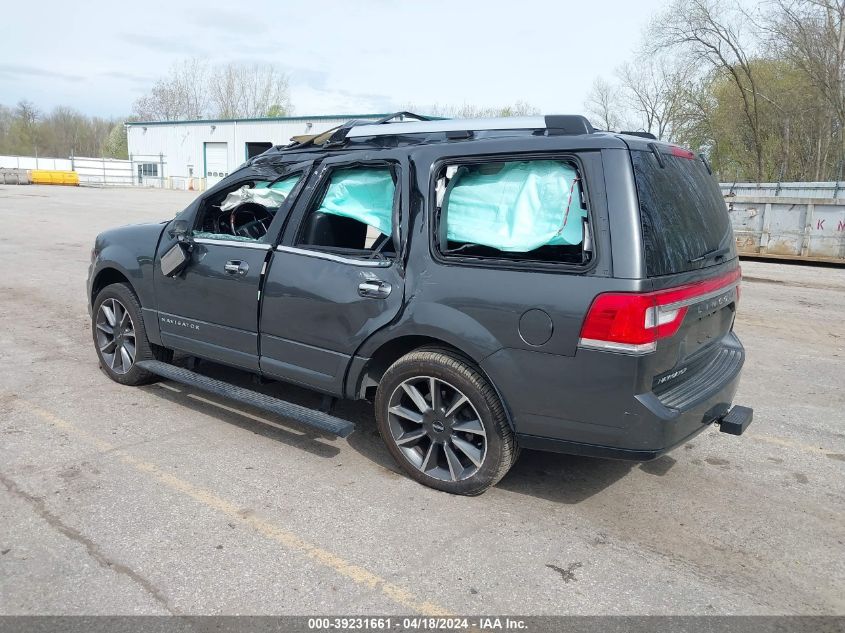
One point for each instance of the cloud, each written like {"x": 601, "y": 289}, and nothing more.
{"x": 161, "y": 44}
{"x": 17, "y": 71}
{"x": 130, "y": 77}
{"x": 309, "y": 100}
{"x": 229, "y": 23}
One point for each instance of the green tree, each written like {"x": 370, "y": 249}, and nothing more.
{"x": 116, "y": 144}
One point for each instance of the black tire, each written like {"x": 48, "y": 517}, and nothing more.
{"x": 129, "y": 374}
{"x": 448, "y": 369}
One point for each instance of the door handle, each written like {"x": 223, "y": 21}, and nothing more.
{"x": 374, "y": 289}
{"x": 236, "y": 267}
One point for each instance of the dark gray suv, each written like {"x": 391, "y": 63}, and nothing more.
{"x": 489, "y": 285}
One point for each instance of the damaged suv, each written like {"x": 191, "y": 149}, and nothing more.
{"x": 489, "y": 285}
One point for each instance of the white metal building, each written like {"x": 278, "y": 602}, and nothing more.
{"x": 211, "y": 148}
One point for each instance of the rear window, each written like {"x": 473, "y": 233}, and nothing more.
{"x": 682, "y": 212}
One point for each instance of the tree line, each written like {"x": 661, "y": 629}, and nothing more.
{"x": 761, "y": 93}
{"x": 60, "y": 133}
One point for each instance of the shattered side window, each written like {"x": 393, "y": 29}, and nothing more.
{"x": 244, "y": 213}
{"x": 528, "y": 210}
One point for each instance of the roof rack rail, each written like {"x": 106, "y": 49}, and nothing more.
{"x": 404, "y": 114}
{"x": 340, "y": 133}
{"x": 648, "y": 135}
{"x": 554, "y": 124}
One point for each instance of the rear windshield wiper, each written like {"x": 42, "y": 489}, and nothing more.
{"x": 715, "y": 253}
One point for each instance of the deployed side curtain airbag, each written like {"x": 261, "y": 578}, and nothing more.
{"x": 365, "y": 195}
{"x": 514, "y": 206}
{"x": 271, "y": 198}
{"x": 283, "y": 186}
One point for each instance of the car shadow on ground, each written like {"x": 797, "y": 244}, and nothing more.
{"x": 567, "y": 479}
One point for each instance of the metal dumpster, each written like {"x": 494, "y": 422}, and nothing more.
{"x": 811, "y": 229}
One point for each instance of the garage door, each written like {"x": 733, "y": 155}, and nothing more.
{"x": 216, "y": 163}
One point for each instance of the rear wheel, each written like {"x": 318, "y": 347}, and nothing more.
{"x": 444, "y": 423}
{"x": 120, "y": 337}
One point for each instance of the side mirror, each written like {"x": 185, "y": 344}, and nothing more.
{"x": 179, "y": 229}
{"x": 176, "y": 259}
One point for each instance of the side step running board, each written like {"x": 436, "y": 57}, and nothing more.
{"x": 303, "y": 415}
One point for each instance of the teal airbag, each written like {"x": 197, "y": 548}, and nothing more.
{"x": 365, "y": 195}
{"x": 514, "y": 206}
{"x": 285, "y": 186}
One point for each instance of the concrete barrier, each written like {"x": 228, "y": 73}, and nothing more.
{"x": 14, "y": 176}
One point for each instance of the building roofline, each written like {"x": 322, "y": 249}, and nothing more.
{"x": 316, "y": 117}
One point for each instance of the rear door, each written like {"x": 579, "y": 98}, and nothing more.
{"x": 688, "y": 241}
{"x": 335, "y": 278}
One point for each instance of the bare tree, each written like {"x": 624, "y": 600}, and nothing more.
{"x": 182, "y": 94}
{"x": 24, "y": 133}
{"x": 711, "y": 33}
{"x": 811, "y": 35}
{"x": 604, "y": 105}
{"x": 655, "y": 89}
{"x": 192, "y": 90}
{"x": 249, "y": 91}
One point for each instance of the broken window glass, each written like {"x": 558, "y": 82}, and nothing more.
{"x": 244, "y": 213}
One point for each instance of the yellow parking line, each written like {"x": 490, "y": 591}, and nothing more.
{"x": 272, "y": 531}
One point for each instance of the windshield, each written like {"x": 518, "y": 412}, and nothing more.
{"x": 683, "y": 215}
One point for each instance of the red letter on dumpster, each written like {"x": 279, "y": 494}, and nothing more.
{"x": 820, "y": 225}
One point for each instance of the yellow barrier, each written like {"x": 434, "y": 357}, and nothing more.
{"x": 53, "y": 177}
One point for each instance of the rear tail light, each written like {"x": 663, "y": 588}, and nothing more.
{"x": 633, "y": 322}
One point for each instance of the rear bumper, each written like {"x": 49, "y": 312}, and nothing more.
{"x": 734, "y": 423}
{"x": 597, "y": 409}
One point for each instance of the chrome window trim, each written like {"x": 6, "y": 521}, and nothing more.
{"x": 366, "y": 263}
{"x": 256, "y": 245}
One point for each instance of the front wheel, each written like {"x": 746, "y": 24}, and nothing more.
{"x": 120, "y": 337}
{"x": 444, "y": 423}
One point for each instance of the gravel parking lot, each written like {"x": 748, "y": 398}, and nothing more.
{"x": 156, "y": 500}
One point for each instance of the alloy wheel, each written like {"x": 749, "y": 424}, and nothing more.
{"x": 437, "y": 428}
{"x": 115, "y": 336}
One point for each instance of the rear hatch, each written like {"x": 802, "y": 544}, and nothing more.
{"x": 691, "y": 259}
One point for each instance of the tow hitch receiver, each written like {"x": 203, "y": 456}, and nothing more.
{"x": 736, "y": 420}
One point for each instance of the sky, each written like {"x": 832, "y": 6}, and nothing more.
{"x": 342, "y": 57}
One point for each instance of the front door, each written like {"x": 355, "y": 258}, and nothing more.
{"x": 336, "y": 277}
{"x": 210, "y": 309}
